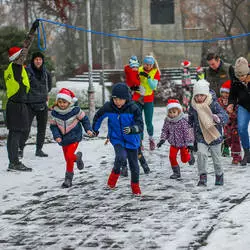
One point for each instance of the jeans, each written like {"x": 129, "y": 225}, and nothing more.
{"x": 121, "y": 155}
{"x": 243, "y": 122}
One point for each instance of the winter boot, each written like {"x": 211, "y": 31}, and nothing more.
{"x": 113, "y": 178}
{"x": 219, "y": 180}
{"x": 151, "y": 144}
{"x": 79, "y": 162}
{"x": 19, "y": 166}
{"x": 191, "y": 162}
{"x": 40, "y": 153}
{"x": 203, "y": 180}
{"x": 68, "y": 180}
{"x": 136, "y": 189}
{"x": 20, "y": 153}
{"x": 176, "y": 173}
{"x": 143, "y": 163}
{"x": 225, "y": 150}
{"x": 245, "y": 158}
{"x": 124, "y": 170}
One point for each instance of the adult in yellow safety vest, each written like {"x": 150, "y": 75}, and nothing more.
{"x": 17, "y": 86}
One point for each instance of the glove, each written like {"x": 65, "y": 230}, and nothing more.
{"x": 142, "y": 90}
{"x": 127, "y": 130}
{"x": 143, "y": 74}
{"x": 131, "y": 130}
{"x": 35, "y": 25}
{"x": 190, "y": 148}
{"x": 95, "y": 133}
{"x": 135, "y": 88}
{"x": 159, "y": 144}
{"x": 216, "y": 118}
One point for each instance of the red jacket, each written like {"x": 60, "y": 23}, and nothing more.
{"x": 132, "y": 76}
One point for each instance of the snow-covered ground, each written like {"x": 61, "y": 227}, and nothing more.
{"x": 36, "y": 213}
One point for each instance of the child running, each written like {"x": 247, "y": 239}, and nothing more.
{"x": 124, "y": 127}
{"x": 66, "y": 126}
{"x": 177, "y": 131}
{"x": 207, "y": 118}
{"x": 231, "y": 136}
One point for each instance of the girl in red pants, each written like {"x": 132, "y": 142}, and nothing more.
{"x": 178, "y": 133}
{"x": 66, "y": 126}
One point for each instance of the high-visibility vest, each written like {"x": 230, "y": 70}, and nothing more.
{"x": 144, "y": 80}
{"x": 12, "y": 86}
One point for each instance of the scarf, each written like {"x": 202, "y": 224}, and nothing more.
{"x": 206, "y": 122}
{"x": 63, "y": 111}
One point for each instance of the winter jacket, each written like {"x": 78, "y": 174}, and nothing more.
{"x": 129, "y": 115}
{"x": 68, "y": 125}
{"x": 40, "y": 84}
{"x": 217, "y": 77}
{"x": 240, "y": 94}
{"x": 216, "y": 109}
{"x": 177, "y": 131}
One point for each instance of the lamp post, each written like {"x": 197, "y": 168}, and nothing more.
{"x": 91, "y": 91}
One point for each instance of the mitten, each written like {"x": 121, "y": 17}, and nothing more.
{"x": 159, "y": 144}
{"x": 135, "y": 88}
{"x": 142, "y": 90}
{"x": 143, "y": 74}
{"x": 216, "y": 118}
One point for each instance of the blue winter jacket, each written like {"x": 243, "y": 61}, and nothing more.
{"x": 129, "y": 115}
{"x": 216, "y": 109}
{"x": 68, "y": 126}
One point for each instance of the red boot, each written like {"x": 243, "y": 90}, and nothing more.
{"x": 135, "y": 188}
{"x": 113, "y": 178}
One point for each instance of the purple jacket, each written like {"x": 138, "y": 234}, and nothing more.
{"x": 177, "y": 131}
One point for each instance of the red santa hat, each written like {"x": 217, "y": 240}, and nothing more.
{"x": 186, "y": 64}
{"x": 173, "y": 103}
{"x": 225, "y": 87}
{"x": 67, "y": 95}
{"x": 14, "y": 52}
{"x": 199, "y": 69}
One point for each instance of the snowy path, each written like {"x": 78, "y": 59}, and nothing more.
{"x": 35, "y": 213}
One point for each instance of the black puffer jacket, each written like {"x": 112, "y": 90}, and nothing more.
{"x": 40, "y": 84}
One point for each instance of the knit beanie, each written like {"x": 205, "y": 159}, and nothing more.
{"x": 241, "y": 67}
{"x": 201, "y": 87}
{"x": 134, "y": 62}
{"x": 121, "y": 90}
{"x": 149, "y": 60}
{"x": 225, "y": 87}
{"x": 67, "y": 95}
{"x": 173, "y": 103}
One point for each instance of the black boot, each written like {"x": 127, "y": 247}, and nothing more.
{"x": 192, "y": 159}
{"x": 20, "y": 153}
{"x": 124, "y": 170}
{"x": 246, "y": 157}
{"x": 176, "y": 173}
{"x": 40, "y": 153}
{"x": 18, "y": 166}
{"x": 68, "y": 180}
{"x": 79, "y": 162}
{"x": 144, "y": 163}
{"x": 203, "y": 180}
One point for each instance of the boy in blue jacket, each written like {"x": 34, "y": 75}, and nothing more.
{"x": 66, "y": 124}
{"x": 125, "y": 125}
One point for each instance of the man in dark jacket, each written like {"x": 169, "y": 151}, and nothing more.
{"x": 17, "y": 86}
{"x": 217, "y": 73}
{"x": 40, "y": 85}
